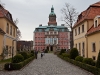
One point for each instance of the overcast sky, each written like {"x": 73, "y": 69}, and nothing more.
{"x": 31, "y": 13}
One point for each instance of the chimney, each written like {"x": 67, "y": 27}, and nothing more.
{"x": 62, "y": 24}
{"x": 40, "y": 25}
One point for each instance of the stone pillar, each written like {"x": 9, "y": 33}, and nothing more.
{"x": 49, "y": 48}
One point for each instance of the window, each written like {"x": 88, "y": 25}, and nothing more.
{"x": 38, "y": 38}
{"x": 93, "y": 47}
{"x": 96, "y": 23}
{"x": 10, "y": 50}
{"x": 54, "y": 32}
{"x": 10, "y": 30}
{"x": 75, "y": 32}
{"x": 80, "y": 48}
{"x": 6, "y": 52}
{"x": 14, "y": 32}
{"x": 83, "y": 51}
{"x": 47, "y": 32}
{"x": 94, "y": 57}
{"x": 60, "y": 29}
{"x": 35, "y": 43}
{"x": 82, "y": 28}
{"x": 43, "y": 30}
{"x": 7, "y": 28}
{"x": 51, "y": 33}
{"x": 76, "y": 45}
{"x": 78, "y": 30}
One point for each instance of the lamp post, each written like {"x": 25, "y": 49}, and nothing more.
{"x": 12, "y": 48}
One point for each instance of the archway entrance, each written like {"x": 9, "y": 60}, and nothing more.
{"x": 47, "y": 47}
{"x": 51, "y": 48}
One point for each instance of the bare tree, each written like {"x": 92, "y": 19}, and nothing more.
{"x": 16, "y": 21}
{"x": 69, "y": 16}
{"x": 18, "y": 34}
{"x": 18, "y": 31}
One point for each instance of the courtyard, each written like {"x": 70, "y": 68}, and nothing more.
{"x": 50, "y": 64}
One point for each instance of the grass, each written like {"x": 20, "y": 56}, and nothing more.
{"x": 5, "y": 61}
{"x": 50, "y": 51}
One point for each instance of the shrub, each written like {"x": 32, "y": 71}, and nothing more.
{"x": 18, "y": 58}
{"x": 98, "y": 60}
{"x": 32, "y": 52}
{"x": 79, "y": 58}
{"x": 8, "y": 66}
{"x": 24, "y": 54}
{"x": 62, "y": 51}
{"x": 73, "y": 53}
{"x": 93, "y": 69}
{"x": 46, "y": 51}
{"x": 30, "y": 55}
{"x": 17, "y": 66}
{"x": 68, "y": 51}
{"x": 88, "y": 61}
{"x": 65, "y": 55}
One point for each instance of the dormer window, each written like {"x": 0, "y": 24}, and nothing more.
{"x": 36, "y": 29}
{"x": 95, "y": 23}
{"x": 9, "y": 16}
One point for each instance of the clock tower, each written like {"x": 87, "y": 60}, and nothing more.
{"x": 52, "y": 18}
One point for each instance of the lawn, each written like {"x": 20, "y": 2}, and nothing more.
{"x": 5, "y": 61}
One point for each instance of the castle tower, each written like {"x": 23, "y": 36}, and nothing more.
{"x": 52, "y": 18}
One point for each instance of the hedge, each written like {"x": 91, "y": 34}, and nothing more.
{"x": 92, "y": 69}
{"x": 24, "y": 54}
{"x": 17, "y": 66}
{"x": 79, "y": 58}
{"x": 18, "y": 58}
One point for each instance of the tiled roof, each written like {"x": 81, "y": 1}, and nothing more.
{"x": 93, "y": 29}
{"x": 92, "y": 11}
{"x": 96, "y": 4}
{"x": 5, "y": 13}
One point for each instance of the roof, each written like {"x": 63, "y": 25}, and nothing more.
{"x": 89, "y": 13}
{"x": 6, "y": 14}
{"x": 46, "y": 28}
{"x": 93, "y": 30}
{"x": 52, "y": 12}
{"x": 96, "y": 4}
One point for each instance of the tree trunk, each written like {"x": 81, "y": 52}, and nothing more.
{"x": 71, "y": 39}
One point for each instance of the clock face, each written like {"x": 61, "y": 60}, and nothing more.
{"x": 52, "y": 19}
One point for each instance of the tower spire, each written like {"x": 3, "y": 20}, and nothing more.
{"x": 52, "y": 17}
{"x": 52, "y": 9}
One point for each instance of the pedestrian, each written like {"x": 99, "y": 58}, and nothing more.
{"x": 36, "y": 52}
{"x": 41, "y": 54}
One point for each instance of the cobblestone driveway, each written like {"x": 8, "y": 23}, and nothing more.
{"x": 50, "y": 64}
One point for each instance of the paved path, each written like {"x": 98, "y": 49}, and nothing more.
{"x": 50, "y": 64}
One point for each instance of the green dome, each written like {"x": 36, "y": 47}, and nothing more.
{"x": 52, "y": 12}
